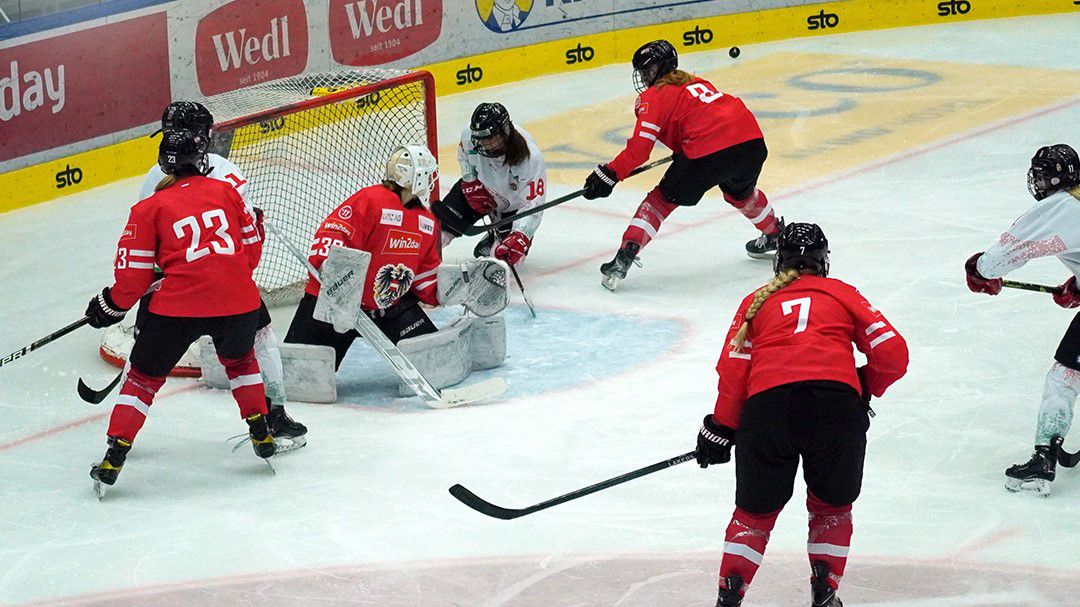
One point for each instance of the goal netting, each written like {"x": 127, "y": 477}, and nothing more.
{"x": 307, "y": 143}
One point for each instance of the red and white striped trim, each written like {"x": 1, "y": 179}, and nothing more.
{"x": 650, "y": 126}
{"x": 744, "y": 551}
{"x": 644, "y": 225}
{"x": 742, "y": 355}
{"x": 134, "y": 402}
{"x": 881, "y": 338}
{"x": 422, "y": 284}
{"x": 827, "y": 550}
{"x": 251, "y": 240}
{"x": 245, "y": 380}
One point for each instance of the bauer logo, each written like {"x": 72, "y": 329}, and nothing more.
{"x": 953, "y": 7}
{"x": 503, "y": 16}
{"x": 245, "y": 43}
{"x": 373, "y": 32}
{"x": 822, "y": 20}
{"x": 469, "y": 75}
{"x": 580, "y": 54}
{"x": 697, "y": 36}
{"x": 68, "y": 177}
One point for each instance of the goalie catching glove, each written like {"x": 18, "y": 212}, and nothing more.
{"x": 714, "y": 443}
{"x": 513, "y": 248}
{"x": 480, "y": 286}
{"x": 102, "y": 311}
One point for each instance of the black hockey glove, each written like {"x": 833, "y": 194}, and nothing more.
{"x": 600, "y": 182}
{"x": 102, "y": 311}
{"x": 865, "y": 386}
{"x": 714, "y": 443}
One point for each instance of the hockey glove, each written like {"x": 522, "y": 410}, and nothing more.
{"x": 864, "y": 384}
{"x": 600, "y": 182}
{"x": 260, "y": 227}
{"x": 102, "y": 311}
{"x": 513, "y": 248}
{"x": 977, "y": 282}
{"x": 478, "y": 197}
{"x": 714, "y": 443}
{"x": 1067, "y": 295}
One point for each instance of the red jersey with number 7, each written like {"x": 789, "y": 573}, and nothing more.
{"x": 693, "y": 119}
{"x": 805, "y": 332}
{"x": 199, "y": 232}
{"x": 403, "y": 242}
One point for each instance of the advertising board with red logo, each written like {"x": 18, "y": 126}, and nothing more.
{"x": 77, "y": 86}
{"x": 373, "y": 32}
{"x": 244, "y": 43}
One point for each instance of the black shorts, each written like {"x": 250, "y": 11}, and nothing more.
{"x": 163, "y": 340}
{"x": 144, "y": 309}
{"x": 455, "y": 215}
{"x": 824, "y": 422}
{"x": 1068, "y": 351}
{"x": 734, "y": 170}
{"x": 403, "y": 319}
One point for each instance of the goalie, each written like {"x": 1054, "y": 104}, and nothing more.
{"x": 386, "y": 234}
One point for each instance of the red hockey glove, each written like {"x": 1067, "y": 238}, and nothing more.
{"x": 479, "y": 199}
{"x": 103, "y": 311}
{"x": 260, "y": 228}
{"x": 979, "y": 283}
{"x": 1067, "y": 295}
{"x": 513, "y": 248}
{"x": 600, "y": 183}
{"x": 714, "y": 443}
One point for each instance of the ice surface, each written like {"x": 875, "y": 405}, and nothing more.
{"x": 911, "y": 182}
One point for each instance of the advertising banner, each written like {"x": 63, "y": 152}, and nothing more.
{"x": 376, "y": 32}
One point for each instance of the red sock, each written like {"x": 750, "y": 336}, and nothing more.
{"x": 744, "y": 544}
{"x": 650, "y": 214}
{"x": 133, "y": 404}
{"x": 830, "y": 536}
{"x": 246, "y": 383}
{"x": 757, "y": 209}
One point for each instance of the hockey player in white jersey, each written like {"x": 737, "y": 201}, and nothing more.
{"x": 195, "y": 117}
{"x": 502, "y": 174}
{"x": 1051, "y": 227}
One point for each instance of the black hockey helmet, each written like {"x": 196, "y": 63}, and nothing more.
{"x": 183, "y": 152}
{"x": 188, "y": 115}
{"x": 1053, "y": 168}
{"x": 802, "y": 246}
{"x": 653, "y": 60}
{"x": 490, "y": 120}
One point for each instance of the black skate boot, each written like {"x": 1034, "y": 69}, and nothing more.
{"x": 105, "y": 473}
{"x": 483, "y": 248}
{"x": 764, "y": 246}
{"x": 824, "y": 594}
{"x": 288, "y": 433}
{"x": 1036, "y": 475}
{"x": 261, "y": 438}
{"x": 731, "y": 592}
{"x": 615, "y": 270}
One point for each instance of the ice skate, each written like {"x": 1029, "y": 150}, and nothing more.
{"x": 764, "y": 246}
{"x": 1036, "y": 475}
{"x": 105, "y": 473}
{"x": 261, "y": 438}
{"x": 824, "y": 594}
{"x": 288, "y": 433}
{"x": 730, "y": 592}
{"x": 615, "y": 270}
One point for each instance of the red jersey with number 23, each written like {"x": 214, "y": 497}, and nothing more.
{"x": 199, "y": 232}
{"x": 403, "y": 243}
{"x": 694, "y": 120}
{"x": 805, "y": 332}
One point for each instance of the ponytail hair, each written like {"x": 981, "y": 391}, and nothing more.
{"x": 517, "y": 149}
{"x": 170, "y": 179}
{"x": 783, "y": 279}
{"x": 675, "y": 77}
{"x": 167, "y": 181}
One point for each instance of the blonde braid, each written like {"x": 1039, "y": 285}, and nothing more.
{"x": 1075, "y": 191}
{"x": 781, "y": 280}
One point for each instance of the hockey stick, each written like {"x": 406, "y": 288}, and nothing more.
{"x": 474, "y": 230}
{"x": 1027, "y": 286}
{"x": 471, "y": 500}
{"x": 402, "y": 366}
{"x": 513, "y": 271}
{"x": 94, "y": 397}
{"x": 1066, "y": 459}
{"x": 44, "y": 340}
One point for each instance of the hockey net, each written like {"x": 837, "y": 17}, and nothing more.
{"x": 305, "y": 144}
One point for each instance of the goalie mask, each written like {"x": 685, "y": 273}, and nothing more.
{"x": 414, "y": 168}
{"x": 802, "y": 246}
{"x": 490, "y": 126}
{"x": 183, "y": 152}
{"x": 186, "y": 115}
{"x": 1053, "y": 168}
{"x": 652, "y": 61}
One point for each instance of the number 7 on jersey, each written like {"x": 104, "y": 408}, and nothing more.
{"x": 803, "y": 304}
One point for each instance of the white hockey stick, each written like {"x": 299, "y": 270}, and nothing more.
{"x": 402, "y": 366}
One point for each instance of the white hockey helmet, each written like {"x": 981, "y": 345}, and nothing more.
{"x": 414, "y": 168}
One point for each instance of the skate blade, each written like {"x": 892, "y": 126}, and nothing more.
{"x": 100, "y": 489}
{"x": 770, "y": 255}
{"x": 1037, "y": 486}
{"x": 285, "y": 444}
{"x": 271, "y": 466}
{"x": 610, "y": 282}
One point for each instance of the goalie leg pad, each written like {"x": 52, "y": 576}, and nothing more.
{"x": 343, "y": 275}
{"x": 449, "y": 355}
{"x": 308, "y": 373}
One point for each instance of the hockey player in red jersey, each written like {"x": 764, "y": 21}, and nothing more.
{"x": 390, "y": 221}
{"x": 789, "y": 388}
{"x": 716, "y": 142}
{"x": 1051, "y": 227}
{"x": 199, "y": 232}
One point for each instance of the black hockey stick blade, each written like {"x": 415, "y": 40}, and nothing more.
{"x": 1027, "y": 286}
{"x": 94, "y": 397}
{"x": 1065, "y": 459}
{"x": 482, "y": 506}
